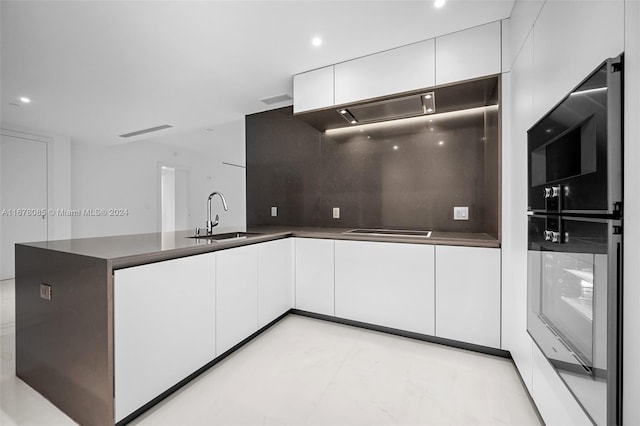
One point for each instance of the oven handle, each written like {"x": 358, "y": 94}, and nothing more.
{"x": 588, "y": 370}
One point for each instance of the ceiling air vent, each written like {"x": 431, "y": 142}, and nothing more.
{"x": 277, "y": 99}
{"x": 145, "y": 131}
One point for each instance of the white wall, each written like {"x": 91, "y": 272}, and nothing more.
{"x": 59, "y": 160}
{"x": 554, "y": 44}
{"x": 631, "y": 339}
{"x": 514, "y": 210}
{"x": 89, "y": 176}
{"x": 126, "y": 176}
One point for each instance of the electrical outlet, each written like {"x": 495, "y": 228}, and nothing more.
{"x": 274, "y": 211}
{"x": 45, "y": 291}
{"x": 336, "y": 212}
{"x": 461, "y": 213}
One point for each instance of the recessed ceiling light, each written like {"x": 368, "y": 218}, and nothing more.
{"x": 429, "y": 109}
{"x": 395, "y": 147}
{"x": 343, "y": 111}
{"x": 25, "y": 100}
{"x": 441, "y": 143}
{"x": 353, "y": 121}
{"x": 427, "y": 96}
{"x": 439, "y": 3}
{"x": 316, "y": 41}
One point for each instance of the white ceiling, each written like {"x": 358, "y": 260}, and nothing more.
{"x": 97, "y": 69}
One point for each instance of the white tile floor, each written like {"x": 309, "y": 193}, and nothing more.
{"x": 309, "y": 372}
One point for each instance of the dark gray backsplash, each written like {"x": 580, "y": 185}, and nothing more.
{"x": 386, "y": 176}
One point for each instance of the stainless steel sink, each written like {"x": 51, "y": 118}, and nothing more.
{"x": 390, "y": 232}
{"x": 226, "y": 236}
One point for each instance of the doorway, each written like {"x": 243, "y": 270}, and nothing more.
{"x": 23, "y": 196}
{"x": 174, "y": 198}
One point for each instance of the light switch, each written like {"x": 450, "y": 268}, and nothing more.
{"x": 336, "y": 212}
{"x": 274, "y": 211}
{"x": 461, "y": 213}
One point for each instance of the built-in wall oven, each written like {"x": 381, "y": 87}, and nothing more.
{"x": 575, "y": 240}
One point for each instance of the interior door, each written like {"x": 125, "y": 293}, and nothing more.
{"x": 23, "y": 197}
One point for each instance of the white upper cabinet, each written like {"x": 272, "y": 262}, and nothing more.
{"x": 559, "y": 69}
{"x": 388, "y": 284}
{"x": 463, "y": 55}
{"x": 398, "y": 70}
{"x": 468, "y": 294}
{"x": 313, "y": 90}
{"x": 468, "y": 54}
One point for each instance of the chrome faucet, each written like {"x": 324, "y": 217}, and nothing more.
{"x": 210, "y": 223}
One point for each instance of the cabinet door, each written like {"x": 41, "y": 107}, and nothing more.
{"x": 398, "y": 70}
{"x": 556, "y": 71}
{"x": 467, "y": 54}
{"x": 163, "y": 327}
{"x": 275, "y": 279}
{"x": 314, "y": 275}
{"x": 388, "y": 284}
{"x": 236, "y": 296}
{"x": 468, "y": 294}
{"x": 313, "y": 90}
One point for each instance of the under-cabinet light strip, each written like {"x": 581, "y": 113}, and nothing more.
{"x": 412, "y": 120}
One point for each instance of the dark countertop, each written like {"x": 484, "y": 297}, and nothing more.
{"x": 437, "y": 238}
{"x": 137, "y": 249}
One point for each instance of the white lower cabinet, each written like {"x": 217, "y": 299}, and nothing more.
{"x": 163, "y": 327}
{"x": 388, "y": 284}
{"x": 468, "y": 294}
{"x": 314, "y": 275}
{"x": 275, "y": 279}
{"x": 236, "y": 296}
{"x": 198, "y": 307}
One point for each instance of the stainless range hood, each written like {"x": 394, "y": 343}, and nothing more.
{"x": 389, "y": 109}
{"x": 456, "y": 97}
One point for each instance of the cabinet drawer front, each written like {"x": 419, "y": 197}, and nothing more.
{"x": 388, "y": 284}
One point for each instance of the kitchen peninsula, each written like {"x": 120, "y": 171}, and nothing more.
{"x": 82, "y": 342}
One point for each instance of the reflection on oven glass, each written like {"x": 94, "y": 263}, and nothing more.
{"x": 567, "y": 299}
{"x": 584, "y": 302}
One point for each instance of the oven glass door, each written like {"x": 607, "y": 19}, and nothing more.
{"x": 570, "y": 284}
